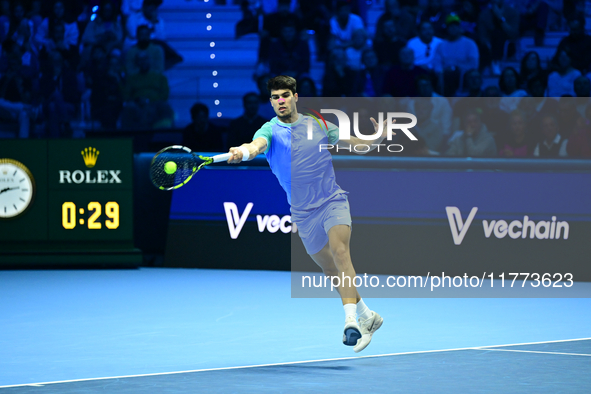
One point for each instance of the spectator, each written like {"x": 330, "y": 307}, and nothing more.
{"x": 441, "y": 113}
{"x": 272, "y": 25}
{"x": 30, "y": 58}
{"x": 201, "y": 135}
{"x": 60, "y": 15}
{"x": 61, "y": 96}
{"x": 473, "y": 83}
{"x": 273, "y": 22}
{"x": 106, "y": 98}
{"x": 474, "y": 140}
{"x": 337, "y": 76}
{"x": 243, "y": 128}
{"x": 148, "y": 17}
{"x": 435, "y": 14}
{"x": 577, "y": 45}
{"x": 561, "y": 81}
{"x": 579, "y": 145}
{"x": 418, "y": 148}
{"x": 583, "y": 92}
{"x": 403, "y": 21}
{"x": 56, "y": 42}
{"x": 96, "y": 65}
{"x": 105, "y": 29}
{"x": 250, "y": 22}
{"x": 146, "y": 46}
{"x": 469, "y": 12}
{"x": 401, "y": 80}
{"x": 567, "y": 115}
{"x": 370, "y": 80}
{"x": 9, "y": 24}
{"x": 425, "y": 46}
{"x": 265, "y": 107}
{"x": 552, "y": 144}
{"x": 355, "y": 51}
{"x": 130, "y": 7}
{"x": 317, "y": 17}
{"x": 536, "y": 86}
{"x": 534, "y": 16}
{"x": 582, "y": 87}
{"x": 34, "y": 13}
{"x": 5, "y": 17}
{"x": 509, "y": 86}
{"x": 344, "y": 23}
{"x": 537, "y": 106}
{"x": 146, "y": 96}
{"x": 306, "y": 88}
{"x": 291, "y": 55}
{"x": 387, "y": 44}
{"x": 16, "y": 90}
{"x": 495, "y": 119}
{"x": 572, "y": 9}
{"x": 497, "y": 24}
{"x": 515, "y": 144}
{"x": 427, "y": 125}
{"x": 454, "y": 56}
{"x": 531, "y": 66}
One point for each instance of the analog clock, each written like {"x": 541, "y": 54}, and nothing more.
{"x": 17, "y": 188}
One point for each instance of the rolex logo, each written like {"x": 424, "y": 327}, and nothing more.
{"x": 90, "y": 155}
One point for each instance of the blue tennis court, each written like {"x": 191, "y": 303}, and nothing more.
{"x": 192, "y": 330}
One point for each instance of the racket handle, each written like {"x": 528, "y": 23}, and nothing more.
{"x": 222, "y": 157}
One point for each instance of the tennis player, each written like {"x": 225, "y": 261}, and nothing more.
{"x": 319, "y": 207}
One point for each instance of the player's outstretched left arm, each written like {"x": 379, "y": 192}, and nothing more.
{"x": 353, "y": 141}
{"x": 247, "y": 152}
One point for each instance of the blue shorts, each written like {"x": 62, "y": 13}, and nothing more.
{"x": 313, "y": 225}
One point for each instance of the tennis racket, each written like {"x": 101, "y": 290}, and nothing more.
{"x": 174, "y": 166}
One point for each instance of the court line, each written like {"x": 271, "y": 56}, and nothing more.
{"x": 534, "y": 351}
{"x": 291, "y": 363}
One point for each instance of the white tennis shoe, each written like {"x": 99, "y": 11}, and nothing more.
{"x": 351, "y": 334}
{"x": 368, "y": 327}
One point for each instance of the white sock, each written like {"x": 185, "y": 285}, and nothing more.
{"x": 362, "y": 310}
{"x": 350, "y": 310}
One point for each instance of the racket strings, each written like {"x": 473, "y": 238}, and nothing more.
{"x": 186, "y": 166}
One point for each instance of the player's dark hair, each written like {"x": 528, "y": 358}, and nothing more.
{"x": 198, "y": 108}
{"x": 282, "y": 82}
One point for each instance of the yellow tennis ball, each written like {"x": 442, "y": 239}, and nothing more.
{"x": 170, "y": 167}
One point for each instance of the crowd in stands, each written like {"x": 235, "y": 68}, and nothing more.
{"x": 444, "y": 50}
{"x": 104, "y": 60}
{"x": 100, "y": 60}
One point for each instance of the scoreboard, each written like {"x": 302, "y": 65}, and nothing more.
{"x": 66, "y": 202}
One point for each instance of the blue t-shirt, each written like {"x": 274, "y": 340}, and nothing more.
{"x": 303, "y": 169}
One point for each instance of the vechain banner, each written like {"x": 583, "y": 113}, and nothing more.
{"x": 479, "y": 226}
{"x": 484, "y": 225}
{"x": 230, "y": 217}
{"x": 412, "y": 217}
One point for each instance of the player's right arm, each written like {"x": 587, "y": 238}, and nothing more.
{"x": 261, "y": 142}
{"x": 256, "y": 147}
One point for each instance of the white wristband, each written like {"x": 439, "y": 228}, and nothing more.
{"x": 245, "y": 153}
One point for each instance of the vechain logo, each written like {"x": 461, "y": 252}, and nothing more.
{"x": 345, "y": 129}
{"x": 272, "y": 223}
{"x": 544, "y": 229}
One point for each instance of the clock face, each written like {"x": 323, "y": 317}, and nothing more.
{"x": 17, "y": 188}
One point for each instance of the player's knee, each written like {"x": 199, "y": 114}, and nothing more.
{"x": 341, "y": 254}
